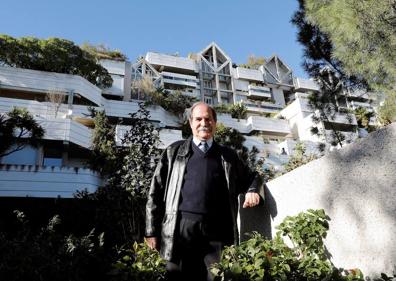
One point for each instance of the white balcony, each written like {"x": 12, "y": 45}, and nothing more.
{"x": 42, "y": 81}
{"x": 305, "y": 84}
{"x": 171, "y": 61}
{"x": 167, "y": 136}
{"x": 179, "y": 79}
{"x": 66, "y": 130}
{"x": 259, "y": 91}
{"x": 261, "y": 106}
{"x": 357, "y": 104}
{"x": 256, "y": 123}
{"x": 349, "y": 136}
{"x": 278, "y": 127}
{"x": 343, "y": 118}
{"x": 157, "y": 113}
{"x": 42, "y": 181}
{"x": 249, "y": 74}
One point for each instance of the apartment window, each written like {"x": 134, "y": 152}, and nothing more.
{"x": 52, "y": 157}
{"x": 207, "y": 84}
{"x": 209, "y": 100}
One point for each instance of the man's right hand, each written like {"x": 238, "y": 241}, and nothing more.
{"x": 152, "y": 242}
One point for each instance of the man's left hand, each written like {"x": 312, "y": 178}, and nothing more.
{"x": 251, "y": 199}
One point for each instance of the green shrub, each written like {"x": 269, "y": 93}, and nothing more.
{"x": 261, "y": 259}
{"x": 139, "y": 263}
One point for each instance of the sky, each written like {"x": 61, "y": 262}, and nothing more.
{"x": 240, "y": 27}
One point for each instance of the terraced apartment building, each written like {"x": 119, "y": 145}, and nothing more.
{"x": 276, "y": 100}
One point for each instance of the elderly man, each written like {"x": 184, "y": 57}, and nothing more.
{"x": 192, "y": 206}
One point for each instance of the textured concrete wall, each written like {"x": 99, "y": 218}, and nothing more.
{"x": 356, "y": 186}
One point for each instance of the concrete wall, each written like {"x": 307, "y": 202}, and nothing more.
{"x": 356, "y": 186}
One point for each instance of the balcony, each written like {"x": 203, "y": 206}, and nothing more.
{"x": 259, "y": 91}
{"x": 261, "y": 107}
{"x": 256, "y": 123}
{"x": 43, "y": 181}
{"x": 167, "y": 136}
{"x": 343, "y": 118}
{"x": 249, "y": 74}
{"x": 171, "y": 61}
{"x": 42, "y": 81}
{"x": 301, "y": 84}
{"x": 357, "y": 104}
{"x": 157, "y": 113}
{"x": 66, "y": 130}
{"x": 180, "y": 79}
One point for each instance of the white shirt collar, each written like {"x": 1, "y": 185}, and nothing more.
{"x": 197, "y": 142}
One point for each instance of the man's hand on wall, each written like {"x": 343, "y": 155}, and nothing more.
{"x": 251, "y": 199}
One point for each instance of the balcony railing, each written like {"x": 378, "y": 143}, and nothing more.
{"x": 249, "y": 74}
{"x": 171, "y": 61}
{"x": 305, "y": 84}
{"x": 180, "y": 79}
{"x": 259, "y": 91}
{"x": 44, "y": 181}
{"x": 42, "y": 81}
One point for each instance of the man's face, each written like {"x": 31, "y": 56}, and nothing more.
{"x": 202, "y": 123}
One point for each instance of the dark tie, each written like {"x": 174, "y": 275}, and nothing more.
{"x": 204, "y": 146}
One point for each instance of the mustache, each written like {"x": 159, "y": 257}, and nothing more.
{"x": 204, "y": 129}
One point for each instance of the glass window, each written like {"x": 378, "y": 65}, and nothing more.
{"x": 26, "y": 156}
{"x": 52, "y": 157}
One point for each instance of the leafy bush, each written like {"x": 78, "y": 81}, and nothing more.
{"x": 237, "y": 110}
{"x": 139, "y": 263}
{"x": 261, "y": 259}
{"x": 299, "y": 158}
{"x": 102, "y": 52}
{"x": 175, "y": 102}
{"x": 46, "y": 253}
{"x": 54, "y": 55}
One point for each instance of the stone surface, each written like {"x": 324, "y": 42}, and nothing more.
{"x": 356, "y": 186}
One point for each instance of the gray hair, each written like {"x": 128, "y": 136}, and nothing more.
{"x": 190, "y": 110}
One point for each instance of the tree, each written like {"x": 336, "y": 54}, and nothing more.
{"x": 18, "y": 127}
{"x": 363, "y": 38}
{"x": 104, "y": 156}
{"x": 128, "y": 169}
{"x": 328, "y": 72}
{"x": 299, "y": 158}
{"x": 54, "y": 55}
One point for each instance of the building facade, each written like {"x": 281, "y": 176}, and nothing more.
{"x": 278, "y": 113}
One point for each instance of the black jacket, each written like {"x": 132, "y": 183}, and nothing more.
{"x": 163, "y": 197}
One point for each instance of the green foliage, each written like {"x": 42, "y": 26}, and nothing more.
{"x": 18, "y": 128}
{"x": 326, "y": 110}
{"x": 363, "y": 37}
{"x": 54, "y": 55}
{"x": 261, "y": 259}
{"x": 363, "y": 117}
{"x": 46, "y": 253}
{"x": 139, "y": 263}
{"x": 253, "y": 62}
{"x": 237, "y": 110}
{"x": 175, "y": 102}
{"x": 387, "y": 111}
{"x": 129, "y": 169}
{"x": 229, "y": 137}
{"x": 102, "y": 52}
{"x": 299, "y": 158}
{"x": 104, "y": 155}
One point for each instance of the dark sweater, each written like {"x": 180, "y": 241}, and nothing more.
{"x": 204, "y": 190}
